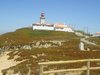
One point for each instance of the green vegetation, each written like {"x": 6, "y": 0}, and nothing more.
{"x": 69, "y": 50}
{"x": 27, "y": 35}
{"x": 95, "y": 40}
{"x": 1, "y": 43}
{"x": 34, "y": 56}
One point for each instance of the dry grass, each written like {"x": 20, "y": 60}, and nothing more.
{"x": 95, "y": 40}
{"x": 68, "y": 51}
{"x": 27, "y": 35}
{"x": 51, "y": 55}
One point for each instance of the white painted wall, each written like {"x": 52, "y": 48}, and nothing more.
{"x": 43, "y": 28}
{"x": 64, "y": 29}
{"x": 52, "y": 28}
{"x": 42, "y": 21}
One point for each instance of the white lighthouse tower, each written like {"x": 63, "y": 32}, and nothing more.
{"x": 42, "y": 19}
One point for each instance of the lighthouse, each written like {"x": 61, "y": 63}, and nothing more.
{"x": 42, "y": 19}
{"x": 42, "y": 25}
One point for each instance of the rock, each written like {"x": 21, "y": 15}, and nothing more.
{"x": 35, "y": 57}
{"x": 81, "y": 46}
{"x": 26, "y": 47}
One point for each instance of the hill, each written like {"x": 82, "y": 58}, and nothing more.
{"x": 28, "y": 47}
{"x": 26, "y": 36}
{"x": 29, "y": 34}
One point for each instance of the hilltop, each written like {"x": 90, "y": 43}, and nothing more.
{"x": 28, "y": 33}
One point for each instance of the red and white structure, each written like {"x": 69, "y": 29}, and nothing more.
{"x": 42, "y": 25}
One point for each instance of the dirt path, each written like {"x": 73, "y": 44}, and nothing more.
{"x": 5, "y": 63}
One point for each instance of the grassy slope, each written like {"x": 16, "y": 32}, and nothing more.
{"x": 51, "y": 55}
{"x": 66, "y": 52}
{"x": 26, "y": 35}
{"x": 95, "y": 40}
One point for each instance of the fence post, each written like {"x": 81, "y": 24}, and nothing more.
{"x": 41, "y": 69}
{"x": 88, "y": 67}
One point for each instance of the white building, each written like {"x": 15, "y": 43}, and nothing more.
{"x": 97, "y": 34}
{"x": 42, "y": 25}
{"x": 62, "y": 27}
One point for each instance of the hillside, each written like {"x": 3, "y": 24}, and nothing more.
{"x": 28, "y": 35}
{"x": 27, "y": 47}
{"x": 95, "y": 40}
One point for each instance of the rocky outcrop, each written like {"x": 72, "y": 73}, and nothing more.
{"x": 35, "y": 44}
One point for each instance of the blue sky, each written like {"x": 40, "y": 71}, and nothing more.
{"x": 81, "y": 14}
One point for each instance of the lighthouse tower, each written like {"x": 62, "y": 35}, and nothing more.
{"x": 42, "y": 19}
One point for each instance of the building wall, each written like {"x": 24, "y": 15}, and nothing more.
{"x": 42, "y": 21}
{"x": 52, "y": 28}
{"x": 96, "y": 35}
{"x": 64, "y": 29}
{"x": 43, "y": 28}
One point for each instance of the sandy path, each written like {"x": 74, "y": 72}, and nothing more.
{"x": 5, "y": 63}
